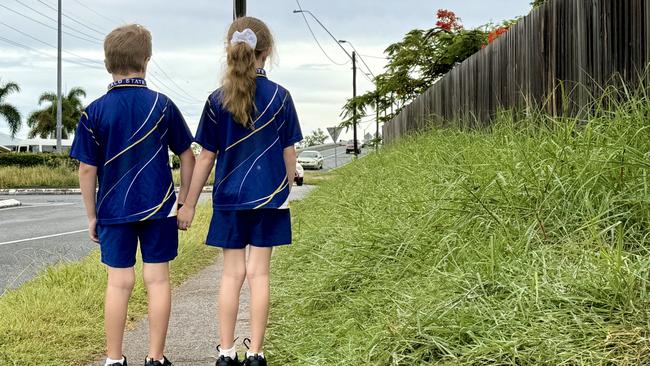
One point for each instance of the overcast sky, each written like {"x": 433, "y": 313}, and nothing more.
{"x": 189, "y": 38}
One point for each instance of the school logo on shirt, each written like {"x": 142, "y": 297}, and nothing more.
{"x": 135, "y": 82}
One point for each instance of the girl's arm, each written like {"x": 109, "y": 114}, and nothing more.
{"x": 187, "y": 167}
{"x": 88, "y": 184}
{"x": 202, "y": 171}
{"x": 290, "y": 163}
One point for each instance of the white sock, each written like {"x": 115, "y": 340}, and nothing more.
{"x": 231, "y": 352}
{"x": 249, "y": 354}
{"x": 111, "y": 361}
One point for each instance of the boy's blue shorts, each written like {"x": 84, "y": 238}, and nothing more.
{"x": 119, "y": 242}
{"x": 235, "y": 229}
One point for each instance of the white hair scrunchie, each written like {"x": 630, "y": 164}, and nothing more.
{"x": 246, "y": 36}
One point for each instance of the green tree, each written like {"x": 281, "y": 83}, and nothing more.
{"x": 8, "y": 111}
{"x": 317, "y": 137}
{"x": 43, "y": 122}
{"x": 415, "y": 63}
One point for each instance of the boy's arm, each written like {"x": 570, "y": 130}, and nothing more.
{"x": 290, "y": 163}
{"x": 202, "y": 171}
{"x": 88, "y": 184}
{"x": 187, "y": 167}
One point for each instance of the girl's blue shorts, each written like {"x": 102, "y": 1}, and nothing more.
{"x": 235, "y": 229}
{"x": 119, "y": 242}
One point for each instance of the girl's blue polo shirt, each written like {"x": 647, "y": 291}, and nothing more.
{"x": 250, "y": 172}
{"x": 126, "y": 134}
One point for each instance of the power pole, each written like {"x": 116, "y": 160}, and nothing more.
{"x": 377, "y": 119}
{"x": 59, "y": 104}
{"x": 354, "y": 100}
{"x": 239, "y": 9}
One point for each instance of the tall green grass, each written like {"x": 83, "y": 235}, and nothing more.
{"x": 57, "y": 318}
{"x": 523, "y": 245}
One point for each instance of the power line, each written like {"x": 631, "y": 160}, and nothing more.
{"x": 111, "y": 20}
{"x": 18, "y": 44}
{"x": 45, "y": 25}
{"x": 316, "y": 39}
{"x": 164, "y": 73}
{"x": 71, "y": 18}
{"x": 377, "y": 57}
{"x": 52, "y": 19}
{"x": 165, "y": 86}
{"x": 49, "y": 44}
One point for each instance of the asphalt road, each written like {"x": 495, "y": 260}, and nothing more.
{"x": 336, "y": 157}
{"x": 49, "y": 229}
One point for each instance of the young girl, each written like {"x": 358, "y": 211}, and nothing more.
{"x": 249, "y": 126}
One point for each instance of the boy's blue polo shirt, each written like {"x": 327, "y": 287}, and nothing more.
{"x": 126, "y": 134}
{"x": 250, "y": 169}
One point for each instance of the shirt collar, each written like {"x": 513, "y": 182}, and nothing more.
{"x": 261, "y": 72}
{"x": 128, "y": 83}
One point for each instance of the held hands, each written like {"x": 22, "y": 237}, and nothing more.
{"x": 184, "y": 217}
{"x": 92, "y": 230}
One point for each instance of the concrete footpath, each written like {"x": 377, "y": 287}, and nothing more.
{"x": 193, "y": 328}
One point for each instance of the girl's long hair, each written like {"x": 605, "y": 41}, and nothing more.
{"x": 239, "y": 82}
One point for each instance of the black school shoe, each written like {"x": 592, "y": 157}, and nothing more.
{"x": 255, "y": 360}
{"x": 152, "y": 362}
{"x": 227, "y": 361}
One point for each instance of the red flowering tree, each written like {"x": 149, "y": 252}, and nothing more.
{"x": 448, "y": 21}
{"x": 496, "y": 33}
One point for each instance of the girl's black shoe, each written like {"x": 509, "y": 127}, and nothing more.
{"x": 255, "y": 360}
{"x": 227, "y": 361}
{"x": 152, "y": 362}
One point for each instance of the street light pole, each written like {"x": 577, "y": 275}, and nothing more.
{"x": 354, "y": 100}
{"x": 59, "y": 104}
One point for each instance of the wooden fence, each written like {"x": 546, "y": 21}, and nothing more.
{"x": 556, "y": 58}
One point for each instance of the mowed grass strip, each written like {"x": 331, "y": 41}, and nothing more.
{"x": 13, "y": 177}
{"x": 57, "y": 318}
{"x": 38, "y": 177}
{"x": 523, "y": 245}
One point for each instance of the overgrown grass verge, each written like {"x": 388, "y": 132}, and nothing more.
{"x": 525, "y": 245}
{"x": 40, "y": 176}
{"x": 57, "y": 318}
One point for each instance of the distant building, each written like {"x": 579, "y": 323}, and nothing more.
{"x": 7, "y": 143}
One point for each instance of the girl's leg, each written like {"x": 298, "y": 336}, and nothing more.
{"x": 118, "y": 291}
{"x": 156, "y": 280}
{"x": 257, "y": 272}
{"x": 234, "y": 273}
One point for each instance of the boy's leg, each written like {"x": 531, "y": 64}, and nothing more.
{"x": 234, "y": 274}
{"x": 118, "y": 291}
{"x": 118, "y": 246}
{"x": 156, "y": 279}
{"x": 257, "y": 272}
{"x": 159, "y": 245}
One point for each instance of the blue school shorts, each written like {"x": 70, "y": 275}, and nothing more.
{"x": 235, "y": 229}
{"x": 158, "y": 242}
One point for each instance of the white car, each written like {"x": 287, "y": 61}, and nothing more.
{"x": 300, "y": 174}
{"x": 311, "y": 159}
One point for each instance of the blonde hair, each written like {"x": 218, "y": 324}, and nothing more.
{"x": 127, "y": 49}
{"x": 239, "y": 82}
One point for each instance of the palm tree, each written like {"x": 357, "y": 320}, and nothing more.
{"x": 8, "y": 111}
{"x": 43, "y": 122}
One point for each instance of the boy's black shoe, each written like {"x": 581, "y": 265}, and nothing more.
{"x": 227, "y": 361}
{"x": 255, "y": 360}
{"x": 120, "y": 364}
{"x": 151, "y": 362}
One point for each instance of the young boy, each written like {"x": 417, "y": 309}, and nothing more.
{"x": 122, "y": 141}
